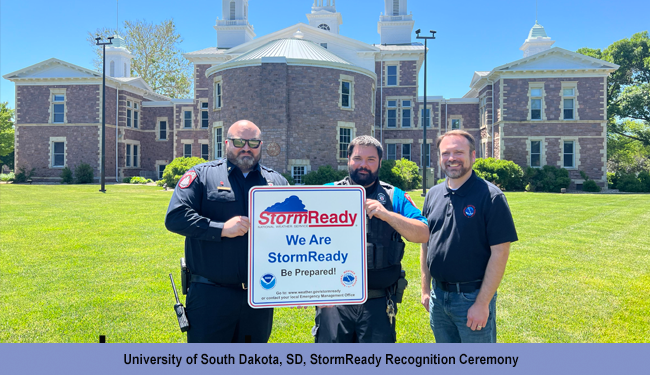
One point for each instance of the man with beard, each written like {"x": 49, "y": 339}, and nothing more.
{"x": 471, "y": 229}
{"x": 210, "y": 207}
{"x": 391, "y": 214}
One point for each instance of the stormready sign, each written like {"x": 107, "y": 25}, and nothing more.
{"x": 307, "y": 246}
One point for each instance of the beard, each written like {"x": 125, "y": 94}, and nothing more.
{"x": 363, "y": 180}
{"x": 244, "y": 160}
{"x": 456, "y": 173}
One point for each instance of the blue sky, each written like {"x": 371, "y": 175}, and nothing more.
{"x": 472, "y": 35}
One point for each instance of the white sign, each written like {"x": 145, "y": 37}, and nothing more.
{"x": 307, "y": 246}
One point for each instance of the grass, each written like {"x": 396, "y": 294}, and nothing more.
{"x": 77, "y": 264}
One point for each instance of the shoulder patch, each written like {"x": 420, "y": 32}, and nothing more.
{"x": 407, "y": 196}
{"x": 187, "y": 179}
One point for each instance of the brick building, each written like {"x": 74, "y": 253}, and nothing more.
{"x": 311, "y": 90}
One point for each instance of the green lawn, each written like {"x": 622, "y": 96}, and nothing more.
{"x": 77, "y": 263}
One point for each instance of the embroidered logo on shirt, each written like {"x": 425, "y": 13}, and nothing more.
{"x": 469, "y": 211}
{"x": 187, "y": 179}
{"x": 381, "y": 197}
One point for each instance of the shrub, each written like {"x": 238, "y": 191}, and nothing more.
{"x": 403, "y": 174}
{"x": 84, "y": 174}
{"x": 629, "y": 182}
{"x": 612, "y": 180}
{"x": 644, "y": 177}
{"x": 548, "y": 178}
{"x": 160, "y": 183}
{"x": 139, "y": 180}
{"x": 503, "y": 173}
{"x": 323, "y": 175}
{"x": 177, "y": 168}
{"x": 66, "y": 176}
{"x": 7, "y": 177}
{"x": 126, "y": 180}
{"x": 289, "y": 178}
{"x": 23, "y": 175}
{"x": 440, "y": 181}
{"x": 589, "y": 185}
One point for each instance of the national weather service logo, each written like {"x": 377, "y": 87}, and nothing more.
{"x": 267, "y": 281}
{"x": 348, "y": 279}
{"x": 381, "y": 197}
{"x": 469, "y": 211}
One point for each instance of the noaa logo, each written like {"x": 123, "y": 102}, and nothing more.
{"x": 381, "y": 197}
{"x": 469, "y": 211}
{"x": 348, "y": 279}
{"x": 267, "y": 281}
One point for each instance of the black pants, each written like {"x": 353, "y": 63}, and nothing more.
{"x": 355, "y": 323}
{"x": 219, "y": 314}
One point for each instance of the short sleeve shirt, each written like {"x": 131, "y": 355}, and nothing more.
{"x": 463, "y": 224}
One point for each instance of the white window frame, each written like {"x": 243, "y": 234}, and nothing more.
{"x": 184, "y": 119}
{"x": 185, "y": 150}
{"x": 132, "y": 159}
{"x": 410, "y": 153}
{"x": 203, "y": 107}
{"x": 453, "y": 118}
{"x": 536, "y": 86}
{"x": 159, "y": 173}
{"x": 160, "y": 120}
{"x": 391, "y": 155}
{"x": 57, "y": 93}
{"x": 219, "y": 150}
{"x": 373, "y": 98}
{"x": 299, "y": 165}
{"x": 408, "y": 108}
{"x": 392, "y": 107}
{"x": 350, "y": 80}
{"x": 541, "y": 152}
{"x": 569, "y": 85}
{"x": 129, "y": 114}
{"x": 54, "y": 140}
{"x": 218, "y": 93}
{"x": 396, "y": 75}
{"x": 353, "y": 133}
{"x": 574, "y": 154}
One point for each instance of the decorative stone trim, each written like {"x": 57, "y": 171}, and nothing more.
{"x": 59, "y": 91}
{"x": 158, "y": 120}
{"x": 542, "y": 151}
{"x": 385, "y": 75}
{"x": 51, "y": 152}
{"x": 139, "y": 160}
{"x": 532, "y": 86}
{"x": 353, "y": 134}
{"x": 183, "y": 110}
{"x": 576, "y": 152}
{"x": 569, "y": 85}
{"x": 455, "y": 117}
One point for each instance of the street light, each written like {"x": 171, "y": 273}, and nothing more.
{"x": 102, "y": 171}
{"x": 424, "y": 111}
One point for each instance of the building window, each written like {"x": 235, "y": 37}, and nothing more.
{"x": 187, "y": 119}
{"x": 112, "y": 73}
{"x": 204, "y": 115}
{"x": 373, "y": 98}
{"x": 128, "y": 155}
{"x": 126, "y": 74}
{"x": 217, "y": 95}
{"x": 136, "y": 114}
{"x": 324, "y": 45}
{"x": 232, "y": 10}
{"x": 205, "y": 152}
{"x": 482, "y": 112}
{"x": 569, "y": 154}
{"x": 406, "y": 113}
{"x": 135, "y": 156}
{"x": 187, "y": 150}
{"x": 129, "y": 114}
{"x": 536, "y": 101}
{"x": 58, "y": 154}
{"x": 162, "y": 130}
{"x": 345, "y": 136}
{"x": 425, "y": 150}
{"x": 406, "y": 151}
{"x": 218, "y": 142}
{"x": 455, "y": 124}
{"x": 568, "y": 101}
{"x": 391, "y": 151}
{"x": 297, "y": 172}
{"x": 161, "y": 170}
{"x": 345, "y": 94}
{"x": 395, "y": 7}
{"x": 535, "y": 153}
{"x": 391, "y": 114}
{"x": 425, "y": 119}
{"x": 59, "y": 108}
{"x": 391, "y": 75}
{"x": 323, "y": 26}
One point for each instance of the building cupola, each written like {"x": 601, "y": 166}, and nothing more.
{"x": 234, "y": 28}
{"x": 395, "y": 25}
{"x": 324, "y": 16}
{"x": 537, "y": 41}
{"x": 118, "y": 58}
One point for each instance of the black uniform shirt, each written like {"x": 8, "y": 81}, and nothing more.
{"x": 463, "y": 224}
{"x": 217, "y": 192}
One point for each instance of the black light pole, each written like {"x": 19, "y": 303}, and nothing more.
{"x": 102, "y": 171}
{"x": 425, "y": 122}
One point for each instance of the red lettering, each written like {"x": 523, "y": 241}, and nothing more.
{"x": 313, "y": 216}
{"x": 272, "y": 218}
{"x": 282, "y": 218}
{"x": 300, "y": 218}
{"x": 324, "y": 218}
{"x": 264, "y": 218}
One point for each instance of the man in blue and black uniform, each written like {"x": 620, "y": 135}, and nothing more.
{"x": 471, "y": 231}
{"x": 391, "y": 214}
{"x": 210, "y": 207}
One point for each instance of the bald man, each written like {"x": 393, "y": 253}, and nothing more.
{"x": 210, "y": 207}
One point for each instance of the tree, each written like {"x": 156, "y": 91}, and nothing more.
{"x": 628, "y": 96}
{"x": 6, "y": 129}
{"x": 157, "y": 57}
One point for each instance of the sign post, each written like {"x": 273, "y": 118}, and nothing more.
{"x": 307, "y": 246}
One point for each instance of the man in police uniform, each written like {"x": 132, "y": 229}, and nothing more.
{"x": 471, "y": 231}
{"x": 391, "y": 214}
{"x": 210, "y": 207}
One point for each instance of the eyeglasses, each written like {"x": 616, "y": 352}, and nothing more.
{"x": 239, "y": 143}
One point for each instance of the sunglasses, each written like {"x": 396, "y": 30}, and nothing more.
{"x": 239, "y": 143}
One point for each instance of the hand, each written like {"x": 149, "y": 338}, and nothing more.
{"x": 477, "y": 316}
{"x": 235, "y": 227}
{"x": 374, "y": 208}
{"x": 425, "y": 298}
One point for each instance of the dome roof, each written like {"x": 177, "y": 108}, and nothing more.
{"x": 295, "y": 49}
{"x": 537, "y": 31}
{"x": 118, "y": 42}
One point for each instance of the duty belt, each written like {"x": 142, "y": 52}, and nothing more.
{"x": 202, "y": 280}
{"x": 461, "y": 287}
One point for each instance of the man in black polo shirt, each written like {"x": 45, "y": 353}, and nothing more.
{"x": 471, "y": 229}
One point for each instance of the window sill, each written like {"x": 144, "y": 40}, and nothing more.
{"x": 346, "y": 108}
{"x": 57, "y": 167}
{"x": 216, "y": 109}
{"x": 162, "y": 140}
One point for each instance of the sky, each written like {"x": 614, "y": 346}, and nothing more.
{"x": 471, "y": 35}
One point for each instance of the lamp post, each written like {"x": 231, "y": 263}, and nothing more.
{"x": 102, "y": 171}
{"x": 426, "y": 120}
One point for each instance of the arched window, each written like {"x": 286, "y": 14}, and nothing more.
{"x": 232, "y": 10}
{"x": 395, "y": 7}
{"x": 112, "y": 72}
{"x": 324, "y": 27}
{"x": 126, "y": 73}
